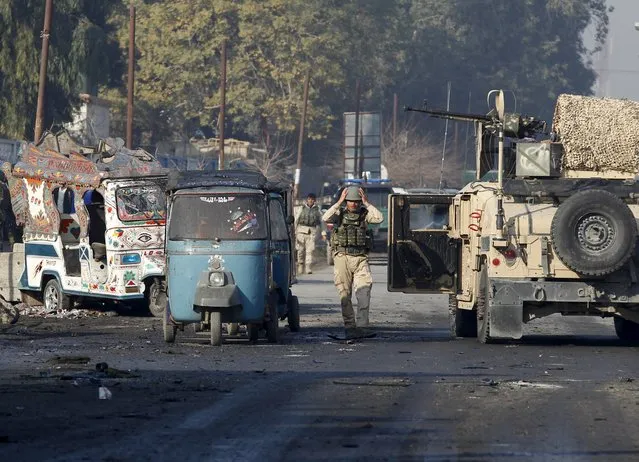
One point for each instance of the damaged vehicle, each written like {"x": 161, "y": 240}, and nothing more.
{"x": 90, "y": 229}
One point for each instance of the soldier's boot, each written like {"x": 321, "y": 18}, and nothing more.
{"x": 363, "y": 295}
{"x": 308, "y": 269}
{"x": 300, "y": 270}
{"x": 358, "y": 332}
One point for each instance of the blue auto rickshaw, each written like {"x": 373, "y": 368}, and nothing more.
{"x": 228, "y": 250}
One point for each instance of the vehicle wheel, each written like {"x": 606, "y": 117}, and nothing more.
{"x": 273, "y": 324}
{"x": 253, "y": 331}
{"x": 216, "y": 328}
{"x": 233, "y": 328}
{"x": 169, "y": 328}
{"x": 483, "y": 312}
{"x": 156, "y": 298}
{"x": 329, "y": 256}
{"x": 627, "y": 331}
{"x": 54, "y": 298}
{"x": 594, "y": 232}
{"x": 463, "y": 323}
{"x": 293, "y": 313}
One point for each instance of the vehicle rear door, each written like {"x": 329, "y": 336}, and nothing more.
{"x": 422, "y": 258}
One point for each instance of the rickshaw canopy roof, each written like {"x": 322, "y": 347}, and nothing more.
{"x": 227, "y": 178}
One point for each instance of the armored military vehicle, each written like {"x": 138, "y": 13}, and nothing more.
{"x": 556, "y": 232}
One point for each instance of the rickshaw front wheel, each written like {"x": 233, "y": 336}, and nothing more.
{"x": 216, "y": 328}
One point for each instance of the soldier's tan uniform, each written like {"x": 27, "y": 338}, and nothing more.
{"x": 306, "y": 236}
{"x": 352, "y": 273}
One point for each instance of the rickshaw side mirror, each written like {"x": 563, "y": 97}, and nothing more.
{"x": 290, "y": 220}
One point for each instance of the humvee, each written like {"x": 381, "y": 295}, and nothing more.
{"x": 539, "y": 240}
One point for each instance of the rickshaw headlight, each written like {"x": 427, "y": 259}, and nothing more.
{"x": 217, "y": 279}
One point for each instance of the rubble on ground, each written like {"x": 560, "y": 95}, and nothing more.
{"x": 9, "y": 314}
{"x": 74, "y": 313}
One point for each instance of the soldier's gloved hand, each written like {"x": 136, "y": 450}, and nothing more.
{"x": 323, "y": 235}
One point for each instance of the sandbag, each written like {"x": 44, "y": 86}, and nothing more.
{"x": 598, "y": 134}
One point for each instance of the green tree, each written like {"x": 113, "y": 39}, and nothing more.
{"x": 532, "y": 47}
{"x": 81, "y": 54}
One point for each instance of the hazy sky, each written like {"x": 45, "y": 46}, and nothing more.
{"x": 619, "y": 70}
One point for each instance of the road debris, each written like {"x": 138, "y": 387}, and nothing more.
{"x": 104, "y": 393}
{"x": 524, "y": 384}
{"x": 75, "y": 313}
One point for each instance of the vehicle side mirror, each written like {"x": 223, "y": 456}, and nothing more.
{"x": 290, "y": 220}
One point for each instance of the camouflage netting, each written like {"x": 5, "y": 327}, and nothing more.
{"x": 598, "y": 133}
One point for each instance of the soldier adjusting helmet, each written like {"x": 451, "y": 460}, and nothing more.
{"x": 353, "y": 194}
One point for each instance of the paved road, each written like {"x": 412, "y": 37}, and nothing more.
{"x": 567, "y": 391}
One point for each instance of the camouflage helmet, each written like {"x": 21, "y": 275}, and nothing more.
{"x": 353, "y": 194}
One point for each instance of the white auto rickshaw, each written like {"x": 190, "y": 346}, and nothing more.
{"x": 90, "y": 229}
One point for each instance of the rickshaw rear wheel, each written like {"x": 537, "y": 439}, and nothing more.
{"x": 169, "y": 328}
{"x": 273, "y": 324}
{"x": 216, "y": 328}
{"x": 293, "y": 313}
{"x": 155, "y": 298}
{"x": 253, "y": 331}
{"x": 54, "y": 298}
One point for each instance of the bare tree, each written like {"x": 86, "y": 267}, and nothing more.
{"x": 274, "y": 158}
{"x": 414, "y": 159}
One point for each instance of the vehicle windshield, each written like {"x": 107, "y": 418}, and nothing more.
{"x": 140, "y": 203}
{"x": 428, "y": 216}
{"x": 206, "y": 217}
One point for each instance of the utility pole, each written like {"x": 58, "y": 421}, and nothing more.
{"x": 222, "y": 107}
{"x": 300, "y": 141}
{"x": 395, "y": 104}
{"x": 131, "y": 79}
{"x": 356, "y": 172}
{"x": 44, "y": 58}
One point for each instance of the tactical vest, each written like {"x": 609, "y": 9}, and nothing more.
{"x": 351, "y": 234}
{"x": 309, "y": 216}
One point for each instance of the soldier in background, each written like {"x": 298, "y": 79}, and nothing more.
{"x": 351, "y": 244}
{"x": 307, "y": 223}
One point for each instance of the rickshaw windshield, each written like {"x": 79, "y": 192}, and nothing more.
{"x": 140, "y": 203}
{"x": 206, "y": 217}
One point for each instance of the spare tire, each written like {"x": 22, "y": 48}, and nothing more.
{"x": 594, "y": 232}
